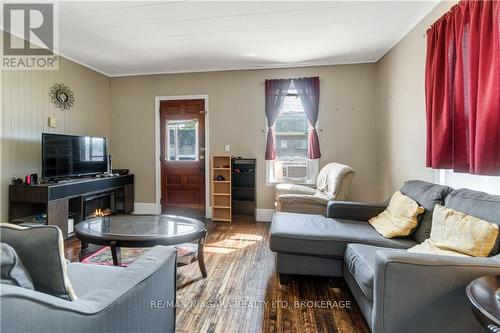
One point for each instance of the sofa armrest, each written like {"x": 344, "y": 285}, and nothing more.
{"x": 301, "y": 203}
{"x": 351, "y": 210}
{"x": 416, "y": 292}
{"x": 125, "y": 304}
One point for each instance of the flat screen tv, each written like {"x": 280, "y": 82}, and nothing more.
{"x": 65, "y": 156}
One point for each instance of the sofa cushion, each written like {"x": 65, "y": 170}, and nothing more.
{"x": 318, "y": 235}
{"x": 301, "y": 204}
{"x": 286, "y": 188}
{"x": 41, "y": 250}
{"x": 359, "y": 260}
{"x": 12, "y": 270}
{"x": 479, "y": 204}
{"x": 426, "y": 195}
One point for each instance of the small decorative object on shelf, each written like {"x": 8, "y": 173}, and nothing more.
{"x": 221, "y": 188}
{"x": 37, "y": 219}
{"x": 16, "y": 181}
{"x": 62, "y": 96}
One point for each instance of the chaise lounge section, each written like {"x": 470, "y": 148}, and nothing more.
{"x": 315, "y": 245}
{"x": 397, "y": 291}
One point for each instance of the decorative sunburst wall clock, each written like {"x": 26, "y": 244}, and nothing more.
{"x": 62, "y": 96}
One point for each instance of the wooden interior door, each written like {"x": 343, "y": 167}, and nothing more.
{"x": 182, "y": 132}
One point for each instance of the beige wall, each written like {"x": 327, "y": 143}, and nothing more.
{"x": 401, "y": 109}
{"x": 26, "y": 107}
{"x": 347, "y": 117}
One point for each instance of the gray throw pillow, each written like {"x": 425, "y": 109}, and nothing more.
{"x": 426, "y": 195}
{"x": 41, "y": 250}
{"x": 12, "y": 270}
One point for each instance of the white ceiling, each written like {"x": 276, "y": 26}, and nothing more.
{"x": 124, "y": 38}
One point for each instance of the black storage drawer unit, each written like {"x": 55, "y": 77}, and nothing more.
{"x": 243, "y": 187}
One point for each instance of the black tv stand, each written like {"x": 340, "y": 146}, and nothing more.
{"x": 64, "y": 181}
{"x": 57, "y": 200}
{"x": 69, "y": 179}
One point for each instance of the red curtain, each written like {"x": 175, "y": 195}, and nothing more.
{"x": 462, "y": 87}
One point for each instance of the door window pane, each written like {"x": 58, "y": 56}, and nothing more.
{"x": 182, "y": 140}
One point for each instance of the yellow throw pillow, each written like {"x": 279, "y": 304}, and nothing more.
{"x": 400, "y": 217}
{"x": 457, "y": 233}
{"x": 428, "y": 247}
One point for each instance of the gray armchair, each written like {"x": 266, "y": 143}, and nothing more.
{"x": 138, "y": 298}
{"x": 334, "y": 181}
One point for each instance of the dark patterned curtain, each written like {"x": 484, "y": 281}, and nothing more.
{"x": 308, "y": 90}
{"x": 276, "y": 91}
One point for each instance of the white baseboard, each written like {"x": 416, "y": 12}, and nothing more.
{"x": 208, "y": 212}
{"x": 146, "y": 208}
{"x": 264, "y": 215}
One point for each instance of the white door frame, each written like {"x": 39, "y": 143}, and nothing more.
{"x": 158, "y": 99}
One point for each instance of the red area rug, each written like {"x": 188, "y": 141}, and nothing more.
{"x": 103, "y": 256}
{"x": 186, "y": 253}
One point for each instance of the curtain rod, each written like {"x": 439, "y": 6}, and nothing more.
{"x": 293, "y": 78}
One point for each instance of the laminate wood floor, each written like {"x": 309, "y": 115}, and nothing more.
{"x": 242, "y": 292}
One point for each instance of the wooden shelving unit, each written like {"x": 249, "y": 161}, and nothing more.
{"x": 221, "y": 189}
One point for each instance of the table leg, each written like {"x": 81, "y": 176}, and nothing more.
{"x": 201, "y": 256}
{"x": 116, "y": 254}
{"x": 83, "y": 250}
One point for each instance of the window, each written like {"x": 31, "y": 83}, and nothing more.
{"x": 182, "y": 140}
{"x": 488, "y": 184}
{"x": 291, "y": 130}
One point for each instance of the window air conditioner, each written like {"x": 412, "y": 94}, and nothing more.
{"x": 293, "y": 170}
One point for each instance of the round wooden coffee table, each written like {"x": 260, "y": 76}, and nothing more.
{"x": 118, "y": 231}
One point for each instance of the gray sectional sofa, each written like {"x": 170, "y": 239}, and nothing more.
{"x": 397, "y": 291}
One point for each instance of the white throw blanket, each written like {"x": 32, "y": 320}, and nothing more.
{"x": 329, "y": 178}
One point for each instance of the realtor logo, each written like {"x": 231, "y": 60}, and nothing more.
{"x": 29, "y": 38}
